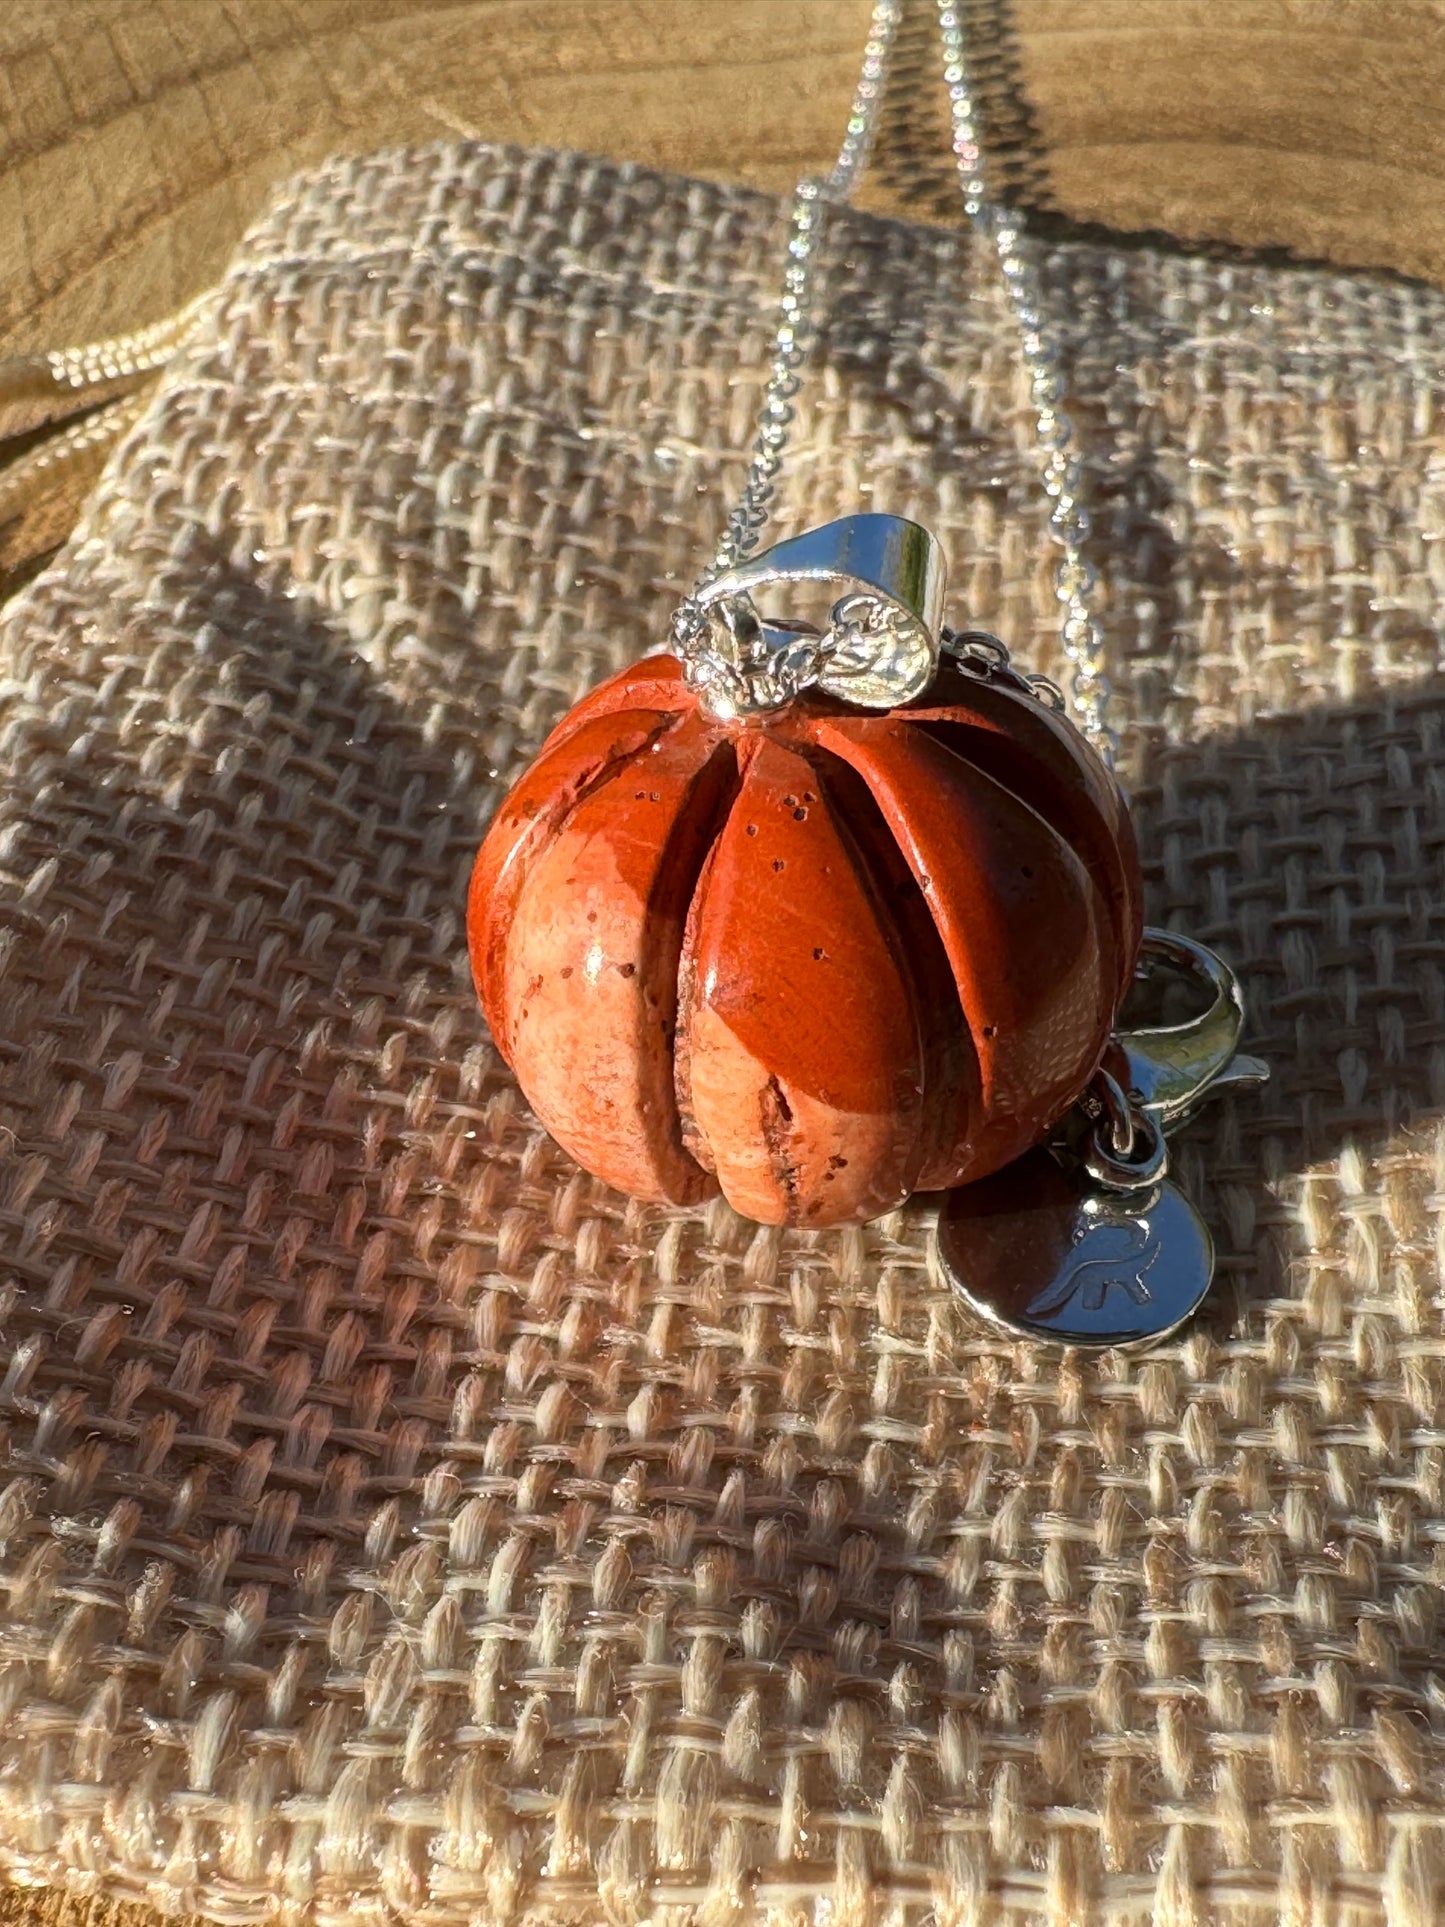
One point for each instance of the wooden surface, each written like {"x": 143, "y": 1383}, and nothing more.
{"x": 137, "y": 137}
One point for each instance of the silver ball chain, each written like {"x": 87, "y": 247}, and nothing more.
{"x": 796, "y": 331}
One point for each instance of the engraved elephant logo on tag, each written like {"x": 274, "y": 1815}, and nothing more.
{"x": 1114, "y": 1250}
{"x": 1038, "y": 1250}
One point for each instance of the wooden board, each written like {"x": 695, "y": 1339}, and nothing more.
{"x": 137, "y": 137}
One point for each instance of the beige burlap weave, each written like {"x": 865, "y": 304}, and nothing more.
{"x": 396, "y": 1525}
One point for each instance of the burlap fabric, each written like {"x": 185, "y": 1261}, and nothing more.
{"x": 397, "y": 1525}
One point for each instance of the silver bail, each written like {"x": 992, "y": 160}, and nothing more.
{"x": 882, "y": 644}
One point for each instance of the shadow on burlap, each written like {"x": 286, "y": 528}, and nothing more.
{"x": 397, "y": 1524}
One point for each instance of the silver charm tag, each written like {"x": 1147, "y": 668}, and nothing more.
{"x": 1041, "y": 1252}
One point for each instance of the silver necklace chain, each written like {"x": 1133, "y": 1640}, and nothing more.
{"x": 793, "y": 339}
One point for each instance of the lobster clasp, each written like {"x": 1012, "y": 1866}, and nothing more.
{"x": 1171, "y": 1069}
{"x": 880, "y": 649}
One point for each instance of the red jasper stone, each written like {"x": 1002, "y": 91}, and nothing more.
{"x": 820, "y": 958}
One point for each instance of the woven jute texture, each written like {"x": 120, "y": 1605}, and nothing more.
{"x": 399, "y": 1526}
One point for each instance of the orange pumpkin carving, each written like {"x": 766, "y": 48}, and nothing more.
{"x": 821, "y": 958}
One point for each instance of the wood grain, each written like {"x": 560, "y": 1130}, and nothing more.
{"x": 137, "y": 137}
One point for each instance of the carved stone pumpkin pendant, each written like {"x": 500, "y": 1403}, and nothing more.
{"x": 812, "y": 916}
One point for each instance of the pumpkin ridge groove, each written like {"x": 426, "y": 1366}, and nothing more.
{"x": 591, "y": 959}
{"x": 775, "y": 1117}
{"x": 495, "y": 892}
{"x": 694, "y": 1139}
{"x": 691, "y": 840}
{"x": 1025, "y": 776}
{"x": 653, "y": 686}
{"x": 950, "y": 1065}
{"x": 1021, "y": 918}
{"x": 800, "y": 1052}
